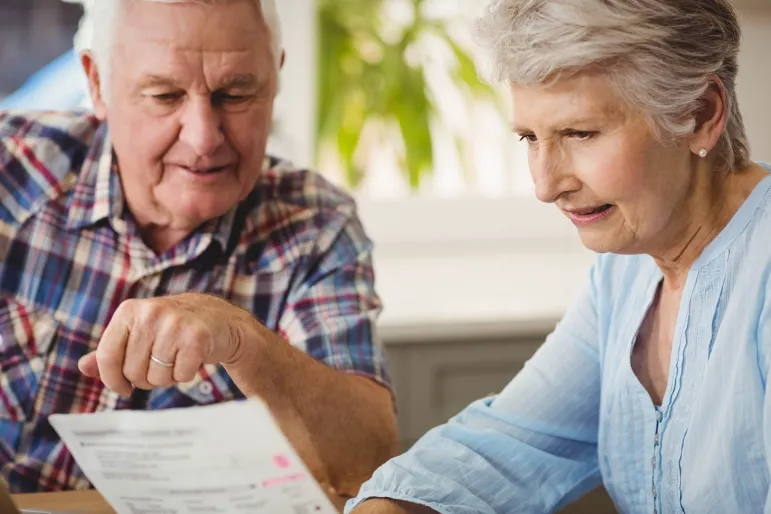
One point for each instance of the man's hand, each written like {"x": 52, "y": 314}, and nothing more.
{"x": 342, "y": 425}
{"x": 160, "y": 342}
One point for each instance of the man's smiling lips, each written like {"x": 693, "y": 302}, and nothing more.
{"x": 202, "y": 170}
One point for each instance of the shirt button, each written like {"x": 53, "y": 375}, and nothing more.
{"x": 656, "y": 440}
{"x": 659, "y": 416}
{"x": 653, "y": 461}
{"x": 654, "y": 492}
{"x": 206, "y": 388}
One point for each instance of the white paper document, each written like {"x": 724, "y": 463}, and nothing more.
{"x": 222, "y": 459}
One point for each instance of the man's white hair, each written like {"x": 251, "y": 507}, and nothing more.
{"x": 98, "y": 27}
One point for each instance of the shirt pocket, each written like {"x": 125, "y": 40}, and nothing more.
{"x": 25, "y": 341}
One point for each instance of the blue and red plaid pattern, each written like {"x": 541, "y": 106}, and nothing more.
{"x": 293, "y": 253}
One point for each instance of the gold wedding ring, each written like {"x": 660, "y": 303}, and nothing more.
{"x": 160, "y": 362}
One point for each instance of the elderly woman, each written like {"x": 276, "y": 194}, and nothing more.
{"x": 654, "y": 383}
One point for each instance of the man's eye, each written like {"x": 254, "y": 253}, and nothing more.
{"x": 530, "y": 138}
{"x": 229, "y": 98}
{"x": 167, "y": 97}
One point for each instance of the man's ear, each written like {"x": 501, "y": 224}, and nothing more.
{"x": 94, "y": 84}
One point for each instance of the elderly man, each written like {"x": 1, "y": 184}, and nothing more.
{"x": 152, "y": 256}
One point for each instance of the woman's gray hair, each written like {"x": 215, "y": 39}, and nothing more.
{"x": 660, "y": 55}
{"x": 102, "y": 17}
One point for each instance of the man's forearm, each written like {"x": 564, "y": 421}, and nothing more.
{"x": 342, "y": 425}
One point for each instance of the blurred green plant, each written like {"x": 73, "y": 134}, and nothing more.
{"x": 366, "y": 73}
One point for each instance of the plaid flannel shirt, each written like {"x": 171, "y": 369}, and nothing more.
{"x": 293, "y": 253}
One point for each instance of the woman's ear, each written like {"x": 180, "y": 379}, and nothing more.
{"x": 711, "y": 118}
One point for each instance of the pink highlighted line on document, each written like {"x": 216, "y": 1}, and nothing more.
{"x": 273, "y": 482}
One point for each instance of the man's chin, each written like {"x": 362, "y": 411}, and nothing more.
{"x": 196, "y": 215}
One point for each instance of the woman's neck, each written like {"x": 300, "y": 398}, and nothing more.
{"x": 713, "y": 203}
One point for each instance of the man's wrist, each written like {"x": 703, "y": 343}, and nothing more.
{"x": 248, "y": 338}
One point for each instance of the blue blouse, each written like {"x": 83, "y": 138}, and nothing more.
{"x": 577, "y": 416}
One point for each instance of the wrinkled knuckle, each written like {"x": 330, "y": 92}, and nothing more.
{"x": 199, "y": 333}
{"x": 151, "y": 311}
{"x": 194, "y": 336}
{"x": 168, "y": 329}
{"x": 105, "y": 357}
{"x": 125, "y": 308}
{"x": 190, "y": 350}
{"x": 176, "y": 318}
{"x": 134, "y": 373}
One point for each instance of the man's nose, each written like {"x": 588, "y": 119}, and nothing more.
{"x": 201, "y": 127}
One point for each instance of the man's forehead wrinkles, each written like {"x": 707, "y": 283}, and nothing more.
{"x": 175, "y": 45}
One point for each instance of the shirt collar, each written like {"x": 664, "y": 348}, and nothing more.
{"x": 220, "y": 229}
{"x": 98, "y": 194}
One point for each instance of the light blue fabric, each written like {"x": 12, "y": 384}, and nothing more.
{"x": 577, "y": 416}
{"x": 60, "y": 86}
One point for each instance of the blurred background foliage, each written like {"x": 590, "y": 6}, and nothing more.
{"x": 373, "y": 80}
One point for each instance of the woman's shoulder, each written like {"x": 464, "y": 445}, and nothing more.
{"x": 753, "y": 243}
{"x": 749, "y": 274}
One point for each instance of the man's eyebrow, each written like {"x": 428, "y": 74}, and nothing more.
{"x": 239, "y": 81}
{"x": 157, "y": 80}
{"x": 233, "y": 81}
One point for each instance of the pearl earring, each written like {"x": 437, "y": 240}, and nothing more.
{"x": 703, "y": 153}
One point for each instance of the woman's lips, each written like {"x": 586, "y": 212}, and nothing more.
{"x": 590, "y": 215}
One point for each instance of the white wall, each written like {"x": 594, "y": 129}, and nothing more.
{"x": 755, "y": 79}
{"x": 296, "y": 103}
